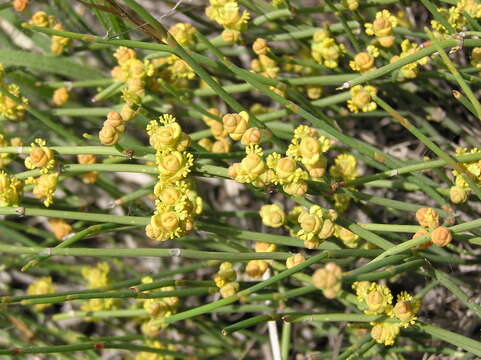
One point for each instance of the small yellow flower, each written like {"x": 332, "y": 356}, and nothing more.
{"x": 40, "y": 157}
{"x": 441, "y": 236}
{"x": 328, "y": 279}
{"x": 458, "y": 195}
{"x": 173, "y": 166}
{"x": 272, "y": 215}
{"x": 260, "y": 47}
{"x": 325, "y": 50}
{"x": 12, "y": 109}
{"x": 226, "y": 274}
{"x": 262, "y": 246}
{"x": 98, "y": 276}
{"x": 184, "y": 33}
{"x": 123, "y": 54}
{"x": 229, "y": 289}
{"x": 363, "y": 62}
{"x": 294, "y": 260}
{"x": 11, "y": 190}
{"x": 252, "y": 136}
{"x": 344, "y": 168}
{"x": 60, "y": 96}
{"x": 236, "y": 124}
{"x": 427, "y": 217}
{"x": 385, "y": 332}
{"x": 221, "y": 146}
{"x": 20, "y": 5}
{"x": 382, "y": 28}
{"x": 256, "y": 268}
{"x": 406, "y": 309}
{"x": 41, "y": 286}
{"x": 362, "y": 98}
{"x": 378, "y": 299}
{"x": 44, "y": 187}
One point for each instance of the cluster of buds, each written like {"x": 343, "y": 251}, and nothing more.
{"x": 328, "y": 279}
{"x": 59, "y": 43}
{"x": 97, "y": 277}
{"x": 134, "y": 73}
{"x": 316, "y": 225}
{"x": 308, "y": 148}
{"x": 362, "y": 98}
{"x": 294, "y": 260}
{"x": 112, "y": 128}
{"x": 263, "y": 65}
{"x": 10, "y": 108}
{"x": 456, "y": 16}
{"x": 364, "y": 61}
{"x": 257, "y": 268}
{"x": 42, "y": 157}
{"x": 377, "y": 299}
{"x": 176, "y": 201}
{"x": 325, "y": 50}
{"x": 6, "y": 158}
{"x": 382, "y": 28}
{"x": 429, "y": 219}
{"x": 11, "y": 190}
{"x": 225, "y": 280}
{"x": 60, "y": 228}
{"x": 409, "y": 71}
{"x": 232, "y": 127}
{"x": 42, "y": 286}
{"x": 158, "y": 308}
{"x": 227, "y": 14}
{"x": 460, "y": 191}
{"x": 348, "y": 238}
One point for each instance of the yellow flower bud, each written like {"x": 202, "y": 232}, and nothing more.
{"x": 363, "y": 62}
{"x": 272, "y": 215}
{"x": 11, "y": 190}
{"x": 60, "y": 96}
{"x": 296, "y": 188}
{"x": 441, "y": 236}
{"x": 229, "y": 289}
{"x": 174, "y": 166}
{"x": 427, "y": 217}
{"x": 378, "y": 299}
{"x": 362, "y": 98}
{"x": 252, "y": 136}
{"x": 252, "y": 164}
{"x": 60, "y": 228}
{"x": 231, "y": 36}
{"x": 310, "y": 224}
{"x": 458, "y": 195}
{"x": 348, "y": 238}
{"x": 218, "y": 130}
{"x": 256, "y": 268}
{"x": 260, "y": 47}
{"x": 123, "y": 54}
{"x": 114, "y": 119}
{"x": 108, "y": 135}
{"x": 221, "y": 146}
{"x": 327, "y": 229}
{"x": 314, "y": 92}
{"x": 294, "y": 260}
{"x": 225, "y": 275}
{"x": 206, "y": 144}
{"x": 44, "y": 187}
{"x": 262, "y": 246}
{"x": 328, "y": 279}
{"x": 97, "y": 276}
{"x": 183, "y": 33}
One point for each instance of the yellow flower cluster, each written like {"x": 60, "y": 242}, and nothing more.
{"x": 362, "y": 98}
{"x": 41, "y": 286}
{"x": 476, "y": 57}
{"x": 460, "y": 191}
{"x": 225, "y": 280}
{"x": 364, "y": 61}
{"x": 10, "y": 108}
{"x": 20, "y": 5}
{"x": 6, "y": 158}
{"x": 135, "y": 74}
{"x": 316, "y": 225}
{"x": 429, "y": 218}
{"x": 409, "y": 71}
{"x": 42, "y": 157}
{"x": 60, "y": 96}
{"x": 59, "y": 43}
{"x": 44, "y": 187}
{"x": 348, "y": 238}
{"x": 144, "y": 355}
{"x": 263, "y": 65}
{"x": 158, "y": 308}
{"x": 227, "y": 14}
{"x": 328, "y": 279}
{"x": 307, "y": 147}
{"x": 112, "y": 128}
{"x": 11, "y": 190}
{"x": 382, "y": 28}
{"x": 377, "y": 299}
{"x": 325, "y": 50}
{"x": 176, "y": 201}
{"x": 97, "y": 277}
{"x": 455, "y": 15}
